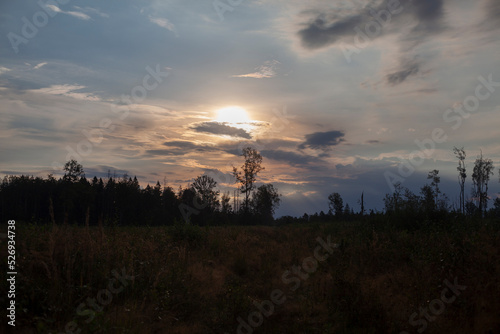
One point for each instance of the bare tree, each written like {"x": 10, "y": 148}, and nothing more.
{"x": 248, "y": 174}
{"x": 483, "y": 168}
{"x": 462, "y": 175}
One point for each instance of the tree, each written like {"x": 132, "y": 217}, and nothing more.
{"x": 462, "y": 175}
{"x": 225, "y": 206}
{"x": 347, "y": 210}
{"x": 205, "y": 187}
{"x": 73, "y": 171}
{"x": 483, "y": 168}
{"x": 264, "y": 202}
{"x": 433, "y": 175}
{"x": 248, "y": 174}
{"x": 336, "y": 203}
{"x": 362, "y": 203}
{"x": 394, "y": 201}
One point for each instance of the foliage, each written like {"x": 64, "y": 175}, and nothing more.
{"x": 247, "y": 176}
{"x": 335, "y": 203}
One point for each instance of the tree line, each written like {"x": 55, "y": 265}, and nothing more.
{"x": 74, "y": 199}
{"x": 121, "y": 201}
{"x": 431, "y": 204}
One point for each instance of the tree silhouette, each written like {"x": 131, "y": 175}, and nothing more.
{"x": 73, "y": 171}
{"x": 248, "y": 174}
{"x": 462, "y": 175}
{"x": 483, "y": 168}
{"x": 205, "y": 187}
{"x": 336, "y": 204}
{"x": 264, "y": 201}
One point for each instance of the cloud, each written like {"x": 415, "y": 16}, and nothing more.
{"x": 414, "y": 22}
{"x": 4, "y": 69}
{"x": 268, "y": 70}
{"x": 217, "y": 128}
{"x": 329, "y": 27}
{"x": 66, "y": 90}
{"x": 290, "y": 157}
{"x": 92, "y": 10}
{"x": 321, "y": 140}
{"x": 180, "y": 147}
{"x": 406, "y": 70}
{"x": 79, "y": 15}
{"x": 493, "y": 11}
{"x": 162, "y": 22}
{"x": 36, "y": 67}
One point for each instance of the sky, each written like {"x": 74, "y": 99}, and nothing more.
{"x": 337, "y": 96}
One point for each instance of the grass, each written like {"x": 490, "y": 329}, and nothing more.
{"x": 189, "y": 279}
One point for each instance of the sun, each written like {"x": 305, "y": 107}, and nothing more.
{"x": 234, "y": 116}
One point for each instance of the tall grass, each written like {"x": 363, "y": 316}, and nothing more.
{"x": 200, "y": 280}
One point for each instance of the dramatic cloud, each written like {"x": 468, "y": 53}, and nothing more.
{"x": 217, "y": 128}
{"x": 327, "y": 28}
{"x": 321, "y": 140}
{"x": 61, "y": 86}
{"x": 268, "y": 70}
{"x": 424, "y": 18}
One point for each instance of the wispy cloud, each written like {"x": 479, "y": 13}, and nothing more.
{"x": 79, "y": 15}
{"x": 267, "y": 70}
{"x": 4, "y": 69}
{"x": 163, "y": 22}
{"x": 92, "y": 10}
{"x": 36, "y": 67}
{"x": 67, "y": 90}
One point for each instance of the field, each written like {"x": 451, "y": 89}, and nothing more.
{"x": 371, "y": 278}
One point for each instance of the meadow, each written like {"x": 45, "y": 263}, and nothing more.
{"x": 440, "y": 278}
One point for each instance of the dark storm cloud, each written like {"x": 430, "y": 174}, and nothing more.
{"x": 318, "y": 140}
{"x": 221, "y": 129}
{"x": 326, "y": 29}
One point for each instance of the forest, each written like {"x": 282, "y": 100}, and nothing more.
{"x": 74, "y": 199}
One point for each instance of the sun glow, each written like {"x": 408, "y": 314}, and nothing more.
{"x": 233, "y": 116}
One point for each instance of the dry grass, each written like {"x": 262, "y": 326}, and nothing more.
{"x": 192, "y": 280}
